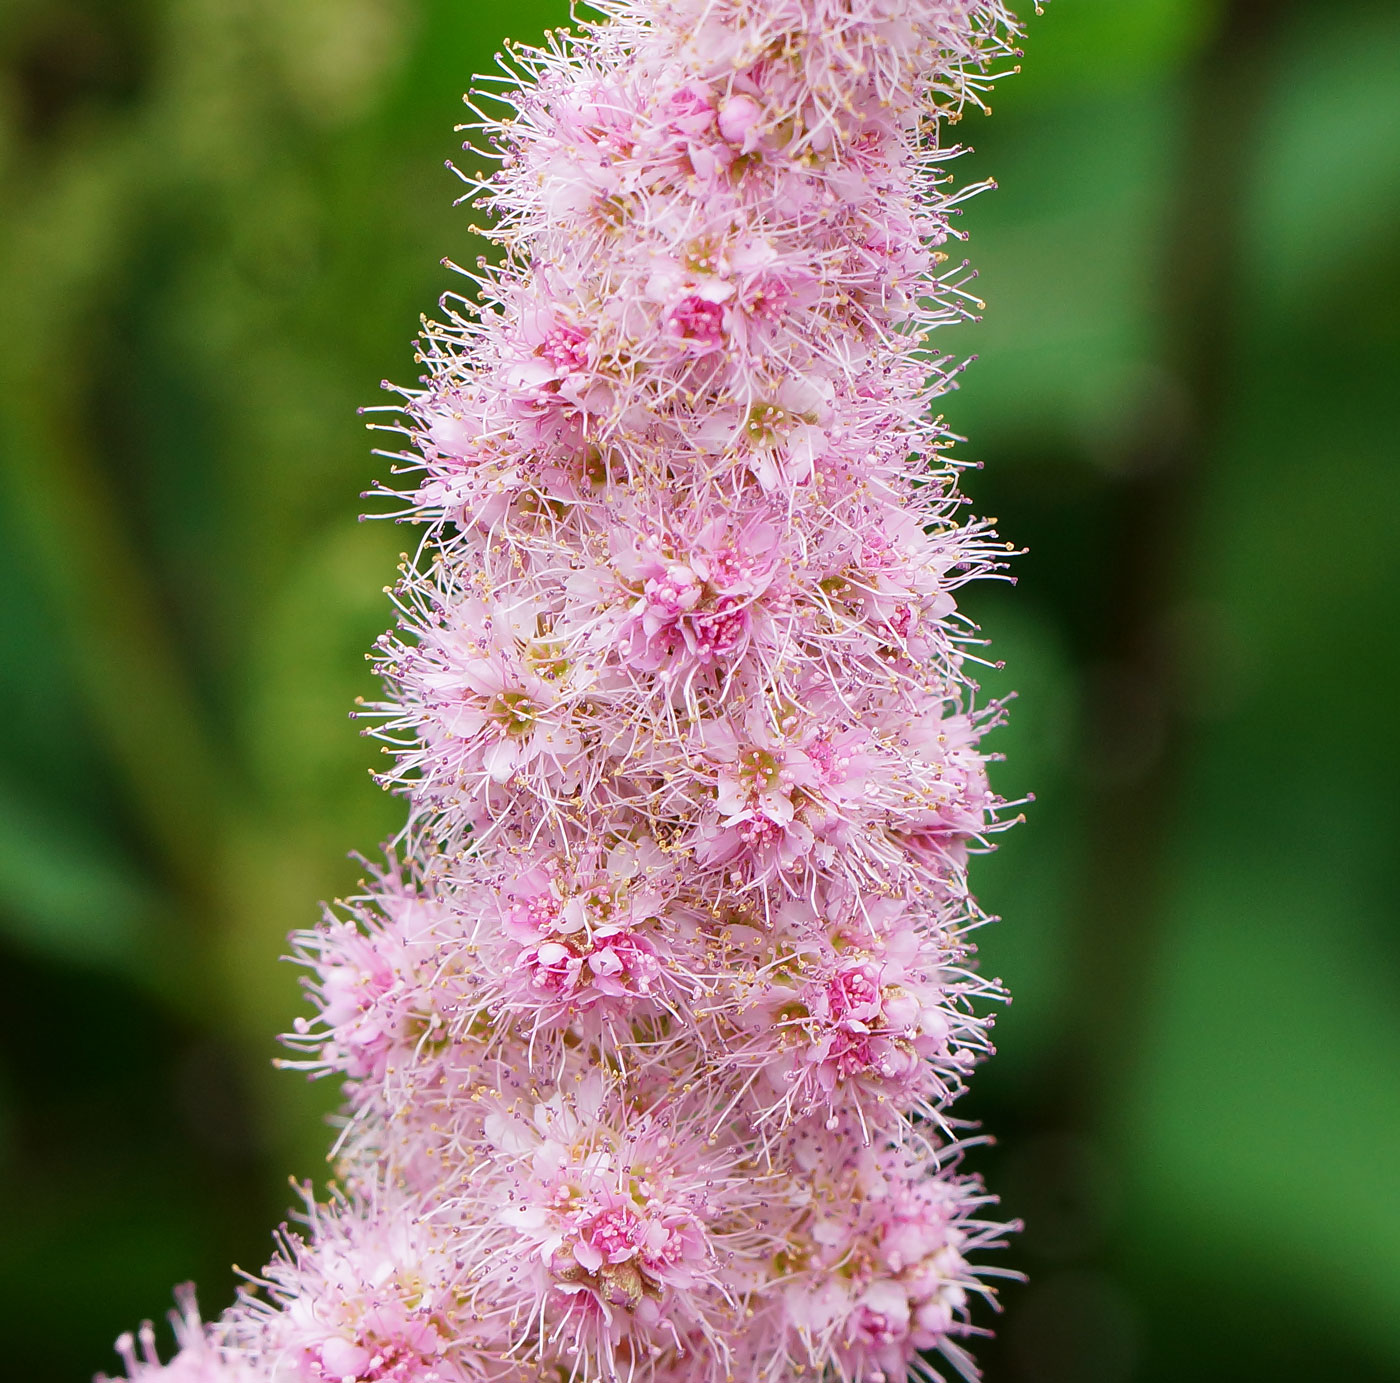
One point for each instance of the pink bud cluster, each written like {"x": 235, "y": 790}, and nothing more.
{"x": 650, "y": 1027}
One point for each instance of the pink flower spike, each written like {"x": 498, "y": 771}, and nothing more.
{"x": 649, "y": 1026}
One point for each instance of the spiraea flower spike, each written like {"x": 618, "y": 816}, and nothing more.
{"x": 650, "y": 1026}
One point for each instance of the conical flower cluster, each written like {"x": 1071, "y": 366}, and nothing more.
{"x": 651, "y": 1024}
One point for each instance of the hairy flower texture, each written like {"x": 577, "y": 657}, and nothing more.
{"x": 650, "y": 1023}
{"x": 198, "y": 1360}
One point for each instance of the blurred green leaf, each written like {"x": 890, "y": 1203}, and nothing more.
{"x": 1327, "y": 188}
{"x": 67, "y": 896}
{"x": 1267, "y": 1117}
{"x": 1068, "y": 251}
{"x": 1078, "y": 47}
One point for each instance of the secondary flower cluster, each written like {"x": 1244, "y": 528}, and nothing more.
{"x": 650, "y": 1025}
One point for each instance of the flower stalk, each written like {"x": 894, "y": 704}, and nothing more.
{"x": 650, "y": 1025}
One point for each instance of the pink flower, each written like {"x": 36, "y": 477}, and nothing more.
{"x": 884, "y": 1274}
{"x": 697, "y": 602}
{"x": 698, "y": 324}
{"x": 198, "y": 1360}
{"x": 739, "y": 120}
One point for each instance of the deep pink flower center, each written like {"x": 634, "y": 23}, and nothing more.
{"x": 699, "y": 320}
{"x": 565, "y": 348}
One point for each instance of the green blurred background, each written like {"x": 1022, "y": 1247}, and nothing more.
{"x": 219, "y": 220}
